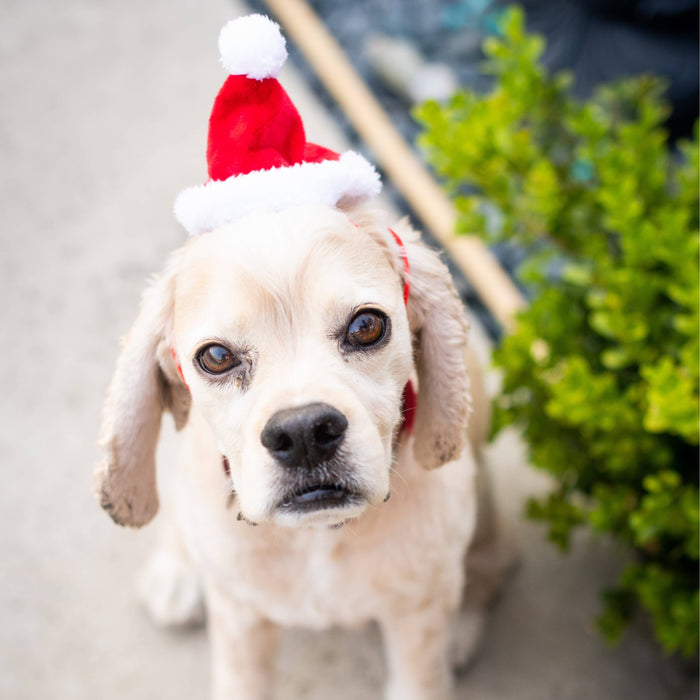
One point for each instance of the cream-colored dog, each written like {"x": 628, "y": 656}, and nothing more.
{"x": 282, "y": 344}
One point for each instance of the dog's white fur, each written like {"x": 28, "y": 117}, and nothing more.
{"x": 278, "y": 287}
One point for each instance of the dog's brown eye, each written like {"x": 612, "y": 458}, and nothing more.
{"x": 217, "y": 359}
{"x": 367, "y": 328}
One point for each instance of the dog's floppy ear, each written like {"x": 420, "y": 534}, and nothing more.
{"x": 145, "y": 382}
{"x": 439, "y": 328}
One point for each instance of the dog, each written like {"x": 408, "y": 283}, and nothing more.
{"x": 282, "y": 346}
{"x": 315, "y": 356}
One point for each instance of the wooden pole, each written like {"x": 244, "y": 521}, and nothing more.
{"x": 397, "y": 159}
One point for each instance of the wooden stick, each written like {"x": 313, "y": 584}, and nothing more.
{"x": 397, "y": 159}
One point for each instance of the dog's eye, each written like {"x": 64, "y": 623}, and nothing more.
{"x": 217, "y": 359}
{"x": 367, "y": 328}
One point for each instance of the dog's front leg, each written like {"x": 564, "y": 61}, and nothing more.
{"x": 243, "y": 647}
{"x": 417, "y": 644}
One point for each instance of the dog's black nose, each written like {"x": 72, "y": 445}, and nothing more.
{"x": 306, "y": 436}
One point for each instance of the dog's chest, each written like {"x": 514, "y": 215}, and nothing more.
{"x": 312, "y": 578}
{"x": 319, "y": 578}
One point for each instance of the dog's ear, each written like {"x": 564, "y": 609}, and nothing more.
{"x": 439, "y": 328}
{"x": 145, "y": 382}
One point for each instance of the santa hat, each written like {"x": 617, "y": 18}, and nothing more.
{"x": 257, "y": 153}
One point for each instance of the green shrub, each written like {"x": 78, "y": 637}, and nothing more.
{"x": 601, "y": 372}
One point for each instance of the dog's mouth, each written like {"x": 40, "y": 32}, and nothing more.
{"x": 319, "y": 497}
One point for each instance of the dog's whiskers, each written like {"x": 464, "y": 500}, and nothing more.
{"x": 398, "y": 474}
{"x": 242, "y": 517}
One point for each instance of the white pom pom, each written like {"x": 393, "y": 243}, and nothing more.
{"x": 252, "y": 46}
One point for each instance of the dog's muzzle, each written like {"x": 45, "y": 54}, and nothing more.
{"x": 304, "y": 441}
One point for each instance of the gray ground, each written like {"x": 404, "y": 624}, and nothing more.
{"x": 103, "y": 109}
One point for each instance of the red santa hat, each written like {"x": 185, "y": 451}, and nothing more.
{"x": 257, "y": 153}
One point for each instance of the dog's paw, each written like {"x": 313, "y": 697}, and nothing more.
{"x": 466, "y": 635}
{"x": 171, "y": 592}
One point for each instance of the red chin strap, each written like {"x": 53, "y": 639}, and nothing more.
{"x": 409, "y": 393}
{"x": 410, "y": 404}
{"x": 179, "y": 367}
{"x": 406, "y": 266}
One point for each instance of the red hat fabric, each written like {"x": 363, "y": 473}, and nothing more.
{"x": 257, "y": 153}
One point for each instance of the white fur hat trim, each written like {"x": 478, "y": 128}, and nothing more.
{"x": 205, "y": 207}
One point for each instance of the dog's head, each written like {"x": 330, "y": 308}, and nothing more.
{"x": 289, "y": 334}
